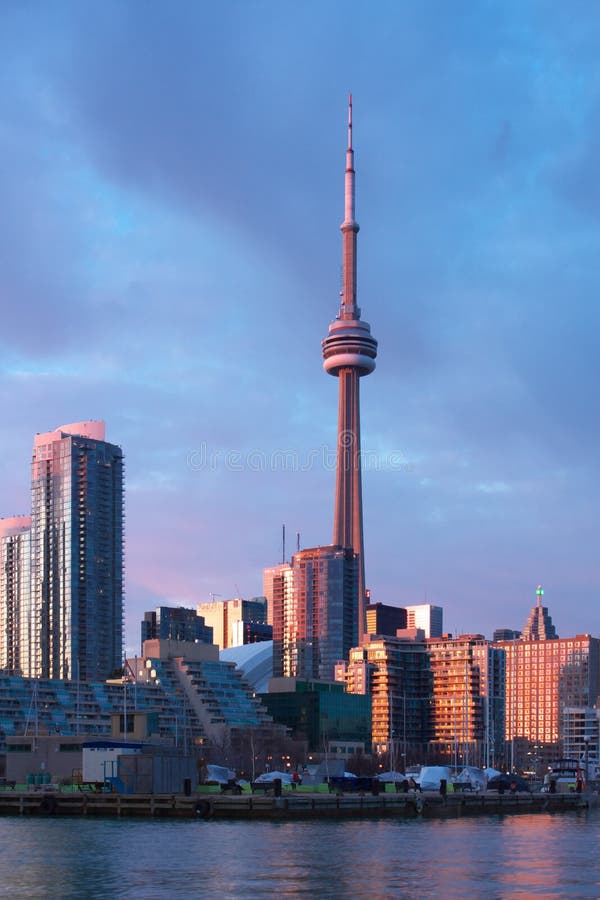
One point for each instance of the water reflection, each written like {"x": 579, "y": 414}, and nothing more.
{"x": 539, "y": 855}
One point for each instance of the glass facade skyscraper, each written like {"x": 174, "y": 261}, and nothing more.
{"x": 75, "y": 624}
{"x": 15, "y": 547}
{"x": 312, "y": 607}
{"x": 175, "y": 623}
{"x": 384, "y": 619}
{"x": 228, "y": 619}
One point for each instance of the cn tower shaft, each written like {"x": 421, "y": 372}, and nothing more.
{"x": 349, "y": 352}
{"x": 347, "y": 512}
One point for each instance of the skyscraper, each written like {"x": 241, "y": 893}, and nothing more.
{"x": 228, "y": 619}
{"x": 543, "y": 678}
{"x": 15, "y": 545}
{"x": 538, "y": 626}
{"x": 427, "y": 617}
{"x": 277, "y": 588}
{"x": 75, "y": 627}
{"x": 468, "y": 702}
{"x": 314, "y": 620}
{"x": 384, "y": 619}
{"x": 175, "y": 623}
{"x": 349, "y": 352}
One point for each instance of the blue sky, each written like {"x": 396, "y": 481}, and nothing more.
{"x": 172, "y": 189}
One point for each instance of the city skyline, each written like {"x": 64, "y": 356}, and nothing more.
{"x": 172, "y": 203}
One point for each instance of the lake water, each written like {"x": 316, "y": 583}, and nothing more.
{"x": 540, "y": 855}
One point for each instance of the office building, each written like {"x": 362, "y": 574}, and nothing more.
{"x": 250, "y": 633}
{"x": 15, "y": 549}
{"x": 543, "y": 678}
{"x": 313, "y": 612}
{"x": 539, "y": 625}
{"x": 236, "y": 622}
{"x": 176, "y": 624}
{"x": 75, "y": 626}
{"x": 320, "y": 713}
{"x": 383, "y": 619}
{"x": 467, "y": 712}
{"x": 349, "y": 353}
{"x": 505, "y": 634}
{"x": 428, "y": 618}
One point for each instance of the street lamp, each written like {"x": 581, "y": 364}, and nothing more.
{"x": 586, "y": 741}
{"x": 404, "y": 727}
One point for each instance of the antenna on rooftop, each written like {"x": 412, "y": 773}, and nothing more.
{"x": 283, "y": 544}
{"x": 297, "y": 542}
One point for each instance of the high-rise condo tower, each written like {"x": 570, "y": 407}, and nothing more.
{"x": 15, "y": 594}
{"x": 75, "y": 621}
{"x": 349, "y": 352}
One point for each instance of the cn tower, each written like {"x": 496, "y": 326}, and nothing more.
{"x": 349, "y": 352}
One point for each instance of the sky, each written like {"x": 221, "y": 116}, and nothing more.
{"x": 172, "y": 183}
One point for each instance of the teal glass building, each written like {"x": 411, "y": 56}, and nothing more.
{"x": 321, "y": 713}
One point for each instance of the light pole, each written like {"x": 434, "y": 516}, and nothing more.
{"x": 391, "y": 732}
{"x": 586, "y": 741}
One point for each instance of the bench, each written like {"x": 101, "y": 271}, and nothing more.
{"x": 231, "y": 788}
{"x": 265, "y": 786}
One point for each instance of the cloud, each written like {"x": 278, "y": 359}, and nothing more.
{"x": 172, "y": 189}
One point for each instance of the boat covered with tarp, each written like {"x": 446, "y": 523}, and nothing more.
{"x": 430, "y": 777}
{"x": 471, "y": 777}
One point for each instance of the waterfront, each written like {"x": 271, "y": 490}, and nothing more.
{"x": 541, "y": 855}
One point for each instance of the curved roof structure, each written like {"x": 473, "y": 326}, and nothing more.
{"x": 255, "y": 661}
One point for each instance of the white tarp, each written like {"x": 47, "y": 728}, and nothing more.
{"x": 392, "y": 776}
{"x": 430, "y": 776}
{"x": 219, "y": 774}
{"x": 267, "y": 777}
{"x": 473, "y": 776}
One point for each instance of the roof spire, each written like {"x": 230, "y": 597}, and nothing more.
{"x": 350, "y": 123}
{"x": 349, "y": 309}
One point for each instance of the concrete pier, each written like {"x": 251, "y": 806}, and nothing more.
{"x": 289, "y": 806}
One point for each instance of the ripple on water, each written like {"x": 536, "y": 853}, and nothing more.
{"x": 520, "y": 856}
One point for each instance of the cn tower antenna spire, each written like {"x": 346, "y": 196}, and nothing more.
{"x": 350, "y": 228}
{"x": 350, "y": 122}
